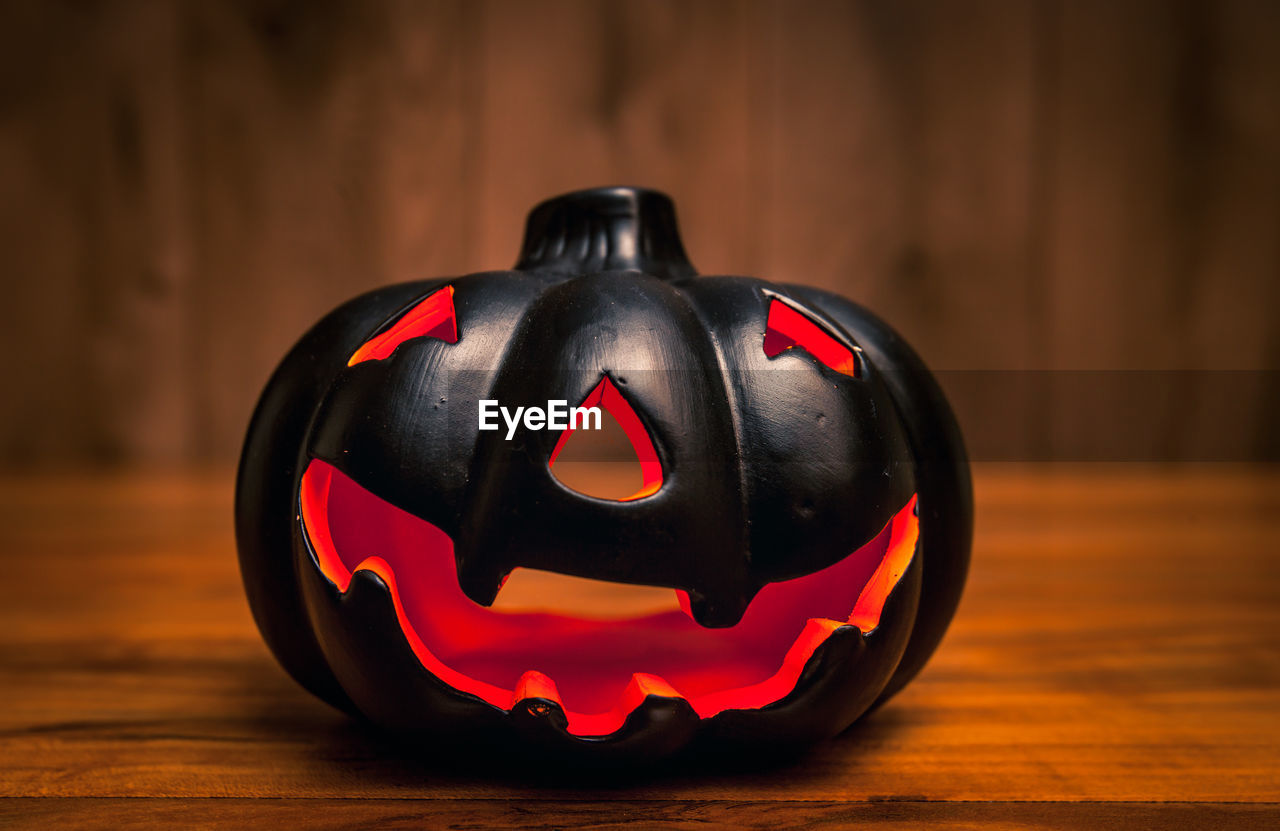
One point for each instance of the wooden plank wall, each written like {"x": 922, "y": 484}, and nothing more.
{"x": 1070, "y": 208}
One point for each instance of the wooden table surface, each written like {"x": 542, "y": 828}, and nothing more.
{"x": 1115, "y": 662}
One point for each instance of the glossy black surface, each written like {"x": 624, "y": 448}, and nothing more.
{"x": 773, "y": 468}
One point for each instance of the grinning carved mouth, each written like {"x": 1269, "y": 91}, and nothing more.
{"x": 598, "y": 670}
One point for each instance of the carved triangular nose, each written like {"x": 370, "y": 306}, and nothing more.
{"x": 590, "y": 464}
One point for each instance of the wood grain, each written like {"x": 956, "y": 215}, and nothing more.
{"x": 1114, "y": 661}
{"x": 1164, "y": 160}
{"x": 306, "y": 814}
{"x": 328, "y": 159}
{"x": 96, "y": 265}
{"x": 1038, "y": 195}
{"x": 579, "y": 94}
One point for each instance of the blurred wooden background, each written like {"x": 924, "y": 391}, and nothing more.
{"x": 1071, "y": 208}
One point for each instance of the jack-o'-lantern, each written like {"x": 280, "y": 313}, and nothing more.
{"x": 804, "y": 500}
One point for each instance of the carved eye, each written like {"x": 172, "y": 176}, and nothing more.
{"x": 787, "y": 328}
{"x": 431, "y": 318}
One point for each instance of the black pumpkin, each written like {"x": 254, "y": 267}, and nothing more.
{"x": 806, "y": 497}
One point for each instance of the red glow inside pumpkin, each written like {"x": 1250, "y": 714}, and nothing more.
{"x": 787, "y": 328}
{"x": 597, "y": 670}
{"x": 433, "y": 317}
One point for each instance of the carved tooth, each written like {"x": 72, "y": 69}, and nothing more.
{"x": 650, "y": 694}
{"x": 720, "y": 612}
{"x": 643, "y": 685}
{"x": 480, "y": 582}
{"x": 816, "y": 631}
{"x": 534, "y": 684}
{"x": 821, "y": 627}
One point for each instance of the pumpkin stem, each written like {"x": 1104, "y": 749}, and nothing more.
{"x": 605, "y": 229}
